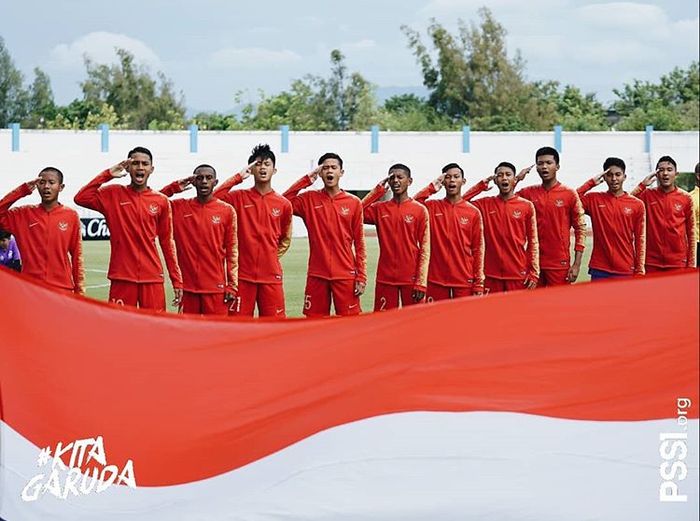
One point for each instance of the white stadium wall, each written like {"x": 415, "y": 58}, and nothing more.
{"x": 78, "y": 154}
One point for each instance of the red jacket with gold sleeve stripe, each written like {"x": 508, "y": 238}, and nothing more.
{"x": 404, "y": 239}
{"x": 264, "y": 230}
{"x": 207, "y": 245}
{"x": 619, "y": 231}
{"x": 670, "y": 227}
{"x": 512, "y": 244}
{"x": 336, "y": 234}
{"x": 135, "y": 220}
{"x": 49, "y": 242}
{"x": 456, "y": 242}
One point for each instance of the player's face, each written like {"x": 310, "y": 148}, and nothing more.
{"x": 331, "y": 172}
{"x": 453, "y": 181}
{"x": 49, "y": 187}
{"x": 666, "y": 174}
{"x": 263, "y": 170}
{"x": 614, "y": 177}
{"x": 4, "y": 243}
{"x": 505, "y": 180}
{"x": 140, "y": 169}
{"x": 204, "y": 181}
{"x": 547, "y": 167}
{"x": 399, "y": 181}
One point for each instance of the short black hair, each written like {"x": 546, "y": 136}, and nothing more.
{"x": 263, "y": 152}
{"x": 330, "y": 155}
{"x": 506, "y": 164}
{"x": 614, "y": 161}
{"x": 204, "y": 165}
{"x": 667, "y": 159}
{"x": 4, "y": 234}
{"x": 54, "y": 170}
{"x": 400, "y": 166}
{"x": 140, "y": 150}
{"x": 547, "y": 151}
{"x": 450, "y": 166}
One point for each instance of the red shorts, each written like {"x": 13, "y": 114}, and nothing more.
{"x": 204, "y": 303}
{"x": 387, "y": 296}
{"x": 268, "y": 297}
{"x": 437, "y": 292}
{"x": 492, "y": 285}
{"x": 318, "y": 293}
{"x": 553, "y": 278}
{"x": 144, "y": 295}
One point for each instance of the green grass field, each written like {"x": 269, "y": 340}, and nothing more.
{"x": 96, "y": 254}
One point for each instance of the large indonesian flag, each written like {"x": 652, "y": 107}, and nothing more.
{"x": 560, "y": 404}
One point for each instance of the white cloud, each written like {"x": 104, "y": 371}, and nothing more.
{"x": 361, "y": 44}
{"x": 615, "y": 52}
{"x": 623, "y": 15}
{"x": 100, "y": 47}
{"x": 251, "y": 57}
{"x": 458, "y": 7}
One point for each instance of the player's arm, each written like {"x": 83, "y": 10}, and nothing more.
{"x": 7, "y": 217}
{"x": 89, "y": 195}
{"x": 533, "y": 250}
{"x": 292, "y": 193}
{"x": 522, "y": 174}
{"x": 690, "y": 234}
{"x": 76, "y": 259}
{"x": 358, "y": 238}
{"x": 578, "y": 223}
{"x": 231, "y": 248}
{"x": 421, "y": 285}
{"x": 640, "y": 241}
{"x": 285, "y": 238}
{"x": 177, "y": 186}
{"x": 232, "y": 181}
{"x": 368, "y": 209}
{"x": 481, "y": 186}
{"x": 478, "y": 252}
{"x": 646, "y": 182}
{"x": 167, "y": 245}
{"x": 431, "y": 189}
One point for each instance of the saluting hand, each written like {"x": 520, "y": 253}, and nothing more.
{"x": 521, "y": 175}
{"x": 119, "y": 170}
{"x": 599, "y": 178}
{"x": 313, "y": 175}
{"x": 32, "y": 184}
{"x": 649, "y": 180}
{"x": 437, "y": 182}
{"x": 247, "y": 171}
{"x": 186, "y": 183}
{"x": 488, "y": 182}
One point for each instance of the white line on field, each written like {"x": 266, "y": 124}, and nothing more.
{"x": 97, "y": 286}
{"x": 96, "y": 271}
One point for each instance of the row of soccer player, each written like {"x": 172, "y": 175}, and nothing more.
{"x": 429, "y": 249}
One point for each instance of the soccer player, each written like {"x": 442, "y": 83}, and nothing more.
{"x": 48, "y": 233}
{"x": 671, "y": 235}
{"x": 511, "y": 261}
{"x": 9, "y": 253}
{"x": 619, "y": 228}
{"x": 337, "y": 258}
{"x": 404, "y": 241}
{"x": 264, "y": 234}
{"x": 457, "y": 239}
{"x": 135, "y": 215}
{"x": 207, "y": 250}
{"x": 695, "y": 196}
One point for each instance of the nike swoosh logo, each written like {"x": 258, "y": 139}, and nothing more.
{"x": 278, "y": 311}
{"x": 33, "y": 224}
{"x": 248, "y": 205}
{"x": 319, "y": 206}
{"x": 122, "y": 204}
{"x": 187, "y": 215}
{"x": 352, "y": 306}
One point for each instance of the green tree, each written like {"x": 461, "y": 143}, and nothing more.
{"x": 408, "y": 112}
{"x": 41, "y": 105}
{"x": 138, "y": 99}
{"x": 571, "y": 108}
{"x": 670, "y": 104}
{"x": 342, "y": 101}
{"x": 472, "y": 78}
{"x": 13, "y": 97}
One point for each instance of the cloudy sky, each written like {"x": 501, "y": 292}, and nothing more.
{"x": 213, "y": 48}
